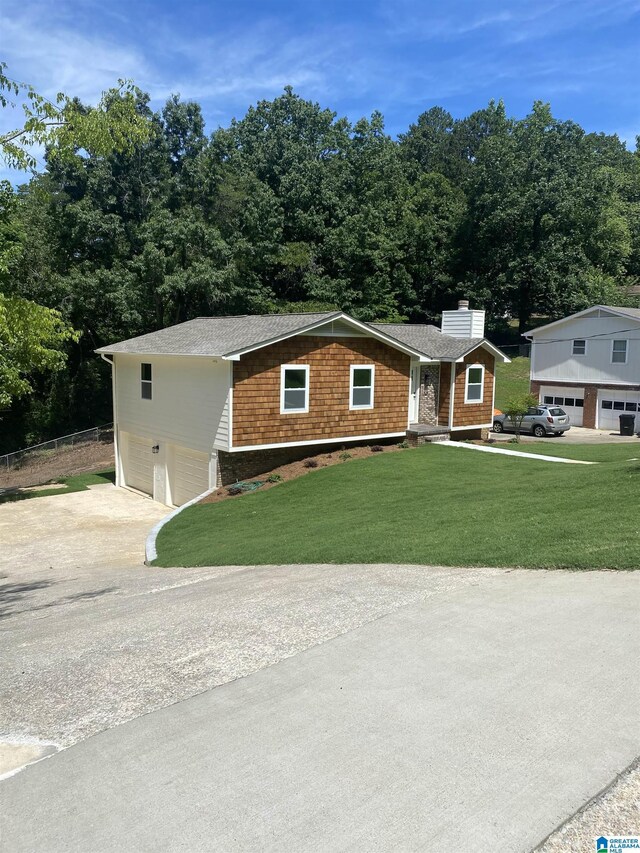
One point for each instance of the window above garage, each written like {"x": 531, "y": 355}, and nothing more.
{"x": 145, "y": 381}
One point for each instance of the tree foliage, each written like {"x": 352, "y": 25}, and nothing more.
{"x": 293, "y": 208}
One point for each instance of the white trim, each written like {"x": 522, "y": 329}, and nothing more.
{"x": 116, "y": 426}
{"x": 230, "y": 442}
{"x": 414, "y": 407}
{"x": 573, "y": 346}
{"x": 582, "y": 313}
{"x": 481, "y": 384}
{"x": 471, "y": 426}
{"x": 144, "y": 382}
{"x": 486, "y": 345}
{"x": 352, "y": 369}
{"x": 305, "y": 409}
{"x": 345, "y": 439}
{"x": 626, "y": 350}
{"x": 364, "y": 327}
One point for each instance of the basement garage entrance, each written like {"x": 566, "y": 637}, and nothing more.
{"x": 612, "y": 404}
{"x": 570, "y": 399}
{"x": 188, "y": 474}
{"x": 138, "y": 463}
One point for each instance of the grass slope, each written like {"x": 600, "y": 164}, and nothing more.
{"x": 512, "y": 380}
{"x": 77, "y": 483}
{"x": 432, "y": 505}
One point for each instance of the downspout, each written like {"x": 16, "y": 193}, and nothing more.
{"x": 116, "y": 444}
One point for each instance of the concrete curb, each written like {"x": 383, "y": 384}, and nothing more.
{"x": 517, "y": 453}
{"x": 150, "y": 551}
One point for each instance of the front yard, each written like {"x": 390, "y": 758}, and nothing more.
{"x": 432, "y": 505}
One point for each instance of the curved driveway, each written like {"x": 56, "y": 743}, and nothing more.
{"x": 386, "y": 707}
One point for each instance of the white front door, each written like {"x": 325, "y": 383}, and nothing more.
{"x": 414, "y": 397}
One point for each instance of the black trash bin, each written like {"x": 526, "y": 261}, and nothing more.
{"x": 626, "y": 424}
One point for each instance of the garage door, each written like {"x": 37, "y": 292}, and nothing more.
{"x": 612, "y": 404}
{"x": 571, "y": 400}
{"x": 138, "y": 464}
{"x": 189, "y": 475}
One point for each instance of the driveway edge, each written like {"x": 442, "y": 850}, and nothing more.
{"x": 150, "y": 551}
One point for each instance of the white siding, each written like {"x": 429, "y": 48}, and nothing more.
{"x": 189, "y": 405}
{"x": 552, "y": 357}
{"x": 463, "y": 323}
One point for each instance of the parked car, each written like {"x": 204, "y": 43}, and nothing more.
{"x": 539, "y": 420}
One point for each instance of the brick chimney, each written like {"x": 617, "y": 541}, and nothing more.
{"x": 463, "y": 323}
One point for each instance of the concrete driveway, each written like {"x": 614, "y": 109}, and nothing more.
{"x": 294, "y": 708}
{"x": 575, "y": 435}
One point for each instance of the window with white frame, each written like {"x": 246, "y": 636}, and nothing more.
{"x": 579, "y": 347}
{"x": 474, "y": 387}
{"x": 361, "y": 386}
{"x": 294, "y": 389}
{"x": 618, "y": 352}
{"x": 145, "y": 381}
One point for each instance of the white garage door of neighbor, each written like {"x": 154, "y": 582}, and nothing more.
{"x": 612, "y": 404}
{"x": 571, "y": 400}
{"x": 190, "y": 475}
{"x": 138, "y": 471}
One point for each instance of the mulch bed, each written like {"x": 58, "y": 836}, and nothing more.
{"x": 297, "y": 469}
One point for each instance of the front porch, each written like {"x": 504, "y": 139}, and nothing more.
{"x": 418, "y": 434}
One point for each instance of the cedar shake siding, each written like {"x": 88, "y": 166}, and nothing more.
{"x": 256, "y": 391}
{"x": 473, "y": 414}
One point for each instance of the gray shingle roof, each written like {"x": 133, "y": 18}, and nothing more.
{"x": 217, "y": 336}
{"x": 223, "y": 336}
{"x": 428, "y": 340}
{"x": 630, "y": 312}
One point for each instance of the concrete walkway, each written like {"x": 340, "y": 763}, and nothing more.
{"x": 476, "y": 718}
{"x": 505, "y": 452}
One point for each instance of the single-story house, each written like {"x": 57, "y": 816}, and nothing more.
{"x": 217, "y": 399}
{"x": 589, "y": 363}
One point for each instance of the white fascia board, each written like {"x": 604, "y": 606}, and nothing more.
{"x": 345, "y": 439}
{"x": 485, "y": 345}
{"x": 362, "y": 327}
{"x": 472, "y": 426}
{"x": 606, "y": 308}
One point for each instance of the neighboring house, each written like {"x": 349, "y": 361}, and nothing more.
{"x": 213, "y": 400}
{"x": 589, "y": 363}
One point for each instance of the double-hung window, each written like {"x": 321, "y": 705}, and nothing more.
{"x": 474, "y": 386}
{"x": 579, "y": 347}
{"x": 294, "y": 389}
{"x": 145, "y": 381}
{"x": 361, "y": 386}
{"x": 618, "y": 352}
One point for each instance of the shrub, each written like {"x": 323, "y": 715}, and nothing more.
{"x": 274, "y": 478}
{"x": 344, "y": 456}
{"x": 376, "y": 448}
{"x": 404, "y": 444}
{"x": 310, "y": 463}
{"x": 234, "y": 490}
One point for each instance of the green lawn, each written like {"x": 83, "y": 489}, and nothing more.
{"x": 77, "y": 483}
{"x": 512, "y": 380}
{"x": 431, "y": 505}
{"x": 588, "y": 452}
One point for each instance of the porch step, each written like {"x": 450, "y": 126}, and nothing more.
{"x": 421, "y": 433}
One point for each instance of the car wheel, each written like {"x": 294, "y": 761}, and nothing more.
{"x": 539, "y": 431}
{"x": 497, "y": 426}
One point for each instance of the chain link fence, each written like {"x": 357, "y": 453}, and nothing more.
{"x": 13, "y": 460}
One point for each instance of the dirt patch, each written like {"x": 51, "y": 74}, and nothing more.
{"x": 50, "y": 465}
{"x": 304, "y": 466}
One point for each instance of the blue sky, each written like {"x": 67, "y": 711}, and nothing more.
{"x": 400, "y": 57}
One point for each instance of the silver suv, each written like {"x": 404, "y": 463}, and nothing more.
{"x": 540, "y": 420}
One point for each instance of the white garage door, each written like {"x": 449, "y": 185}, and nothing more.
{"x": 189, "y": 475}
{"x": 571, "y": 400}
{"x": 612, "y": 404}
{"x": 138, "y": 464}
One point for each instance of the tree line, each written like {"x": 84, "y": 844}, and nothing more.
{"x": 292, "y": 208}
